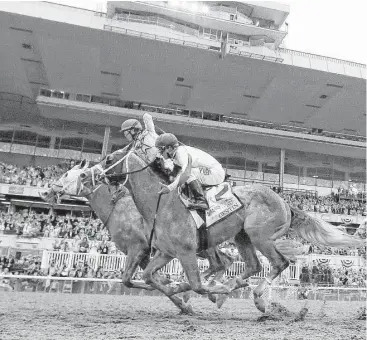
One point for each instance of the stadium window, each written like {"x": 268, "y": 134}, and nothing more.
{"x": 6, "y": 136}
{"x": 83, "y": 98}
{"x": 57, "y": 94}
{"x": 43, "y": 141}
{"x": 25, "y": 138}
{"x": 196, "y": 114}
{"x": 91, "y": 146}
{"x": 71, "y": 143}
{"x": 58, "y": 142}
{"x": 45, "y": 92}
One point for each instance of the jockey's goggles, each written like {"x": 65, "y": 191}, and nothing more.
{"x": 128, "y": 130}
{"x": 162, "y": 148}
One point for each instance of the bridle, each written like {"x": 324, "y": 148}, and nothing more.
{"x": 127, "y": 173}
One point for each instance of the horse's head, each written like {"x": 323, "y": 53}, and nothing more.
{"x": 115, "y": 165}
{"x": 69, "y": 183}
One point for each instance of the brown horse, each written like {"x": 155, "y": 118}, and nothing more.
{"x": 132, "y": 235}
{"x": 264, "y": 218}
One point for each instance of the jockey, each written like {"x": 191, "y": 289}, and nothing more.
{"x": 205, "y": 169}
{"x": 143, "y": 139}
{"x": 143, "y": 143}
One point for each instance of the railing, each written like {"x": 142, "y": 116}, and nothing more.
{"x": 317, "y": 56}
{"x": 174, "y": 268}
{"x": 233, "y": 50}
{"x": 155, "y": 20}
{"x": 159, "y": 38}
{"x": 77, "y": 285}
{"x": 211, "y": 13}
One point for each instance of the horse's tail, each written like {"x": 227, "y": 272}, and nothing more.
{"x": 317, "y": 231}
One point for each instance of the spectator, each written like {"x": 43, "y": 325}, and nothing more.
{"x": 103, "y": 248}
{"x": 83, "y": 246}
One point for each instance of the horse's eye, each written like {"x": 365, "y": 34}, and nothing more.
{"x": 82, "y": 176}
{"x": 66, "y": 175}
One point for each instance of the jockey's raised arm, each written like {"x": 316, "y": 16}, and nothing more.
{"x": 149, "y": 124}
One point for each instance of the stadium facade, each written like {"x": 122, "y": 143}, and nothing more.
{"x": 213, "y": 73}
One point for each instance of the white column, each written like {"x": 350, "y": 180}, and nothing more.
{"x": 52, "y": 142}
{"x": 281, "y": 168}
{"x": 106, "y": 139}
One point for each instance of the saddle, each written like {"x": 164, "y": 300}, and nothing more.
{"x": 222, "y": 202}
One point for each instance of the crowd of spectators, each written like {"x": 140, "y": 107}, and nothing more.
{"x": 322, "y": 274}
{"x": 31, "y": 265}
{"x": 324, "y": 204}
{"x": 31, "y": 176}
{"x": 31, "y": 224}
{"x": 343, "y": 201}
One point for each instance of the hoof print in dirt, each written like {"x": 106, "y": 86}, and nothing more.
{"x": 279, "y": 313}
{"x": 190, "y": 328}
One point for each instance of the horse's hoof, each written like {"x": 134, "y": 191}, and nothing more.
{"x": 260, "y": 304}
{"x": 212, "y": 298}
{"x": 221, "y": 300}
{"x": 186, "y": 297}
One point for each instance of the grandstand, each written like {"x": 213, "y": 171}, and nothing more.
{"x": 214, "y": 74}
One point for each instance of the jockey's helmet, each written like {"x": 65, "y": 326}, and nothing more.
{"x": 130, "y": 124}
{"x": 165, "y": 140}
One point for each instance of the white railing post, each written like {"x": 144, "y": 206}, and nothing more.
{"x": 45, "y": 263}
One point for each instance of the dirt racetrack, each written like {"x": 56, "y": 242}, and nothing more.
{"x": 54, "y": 316}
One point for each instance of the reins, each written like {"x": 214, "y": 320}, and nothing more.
{"x": 154, "y": 222}
{"x": 130, "y": 172}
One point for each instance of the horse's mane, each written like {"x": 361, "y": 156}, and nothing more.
{"x": 157, "y": 168}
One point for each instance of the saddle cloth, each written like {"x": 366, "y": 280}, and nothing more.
{"x": 222, "y": 203}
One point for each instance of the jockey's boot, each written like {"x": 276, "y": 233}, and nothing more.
{"x": 199, "y": 202}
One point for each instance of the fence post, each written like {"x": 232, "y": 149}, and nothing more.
{"x": 45, "y": 259}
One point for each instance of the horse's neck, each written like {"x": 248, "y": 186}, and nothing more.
{"x": 144, "y": 187}
{"x": 100, "y": 202}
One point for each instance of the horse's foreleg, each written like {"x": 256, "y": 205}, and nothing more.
{"x": 190, "y": 266}
{"x": 219, "y": 262}
{"x": 248, "y": 255}
{"x": 134, "y": 258}
{"x": 159, "y": 260}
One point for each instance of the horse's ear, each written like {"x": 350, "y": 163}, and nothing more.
{"x": 83, "y": 164}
